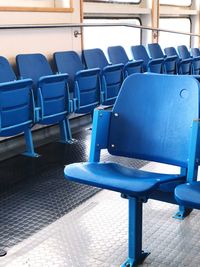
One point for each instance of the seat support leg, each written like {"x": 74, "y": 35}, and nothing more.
{"x": 182, "y": 213}
{"x": 29, "y": 145}
{"x": 65, "y": 132}
{"x": 135, "y": 253}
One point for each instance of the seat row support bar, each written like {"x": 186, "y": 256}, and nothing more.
{"x": 135, "y": 253}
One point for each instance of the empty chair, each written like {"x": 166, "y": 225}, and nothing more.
{"x": 51, "y": 92}
{"x": 195, "y": 61}
{"x": 195, "y": 52}
{"x": 111, "y": 75}
{"x": 135, "y": 129}
{"x": 117, "y": 54}
{"x": 17, "y": 108}
{"x": 170, "y": 62}
{"x": 184, "y": 65}
{"x": 188, "y": 195}
{"x": 84, "y": 84}
{"x": 152, "y": 65}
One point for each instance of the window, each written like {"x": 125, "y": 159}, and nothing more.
{"x": 176, "y": 2}
{"x": 175, "y": 24}
{"x": 102, "y": 37}
{"x": 116, "y": 1}
{"x": 34, "y": 4}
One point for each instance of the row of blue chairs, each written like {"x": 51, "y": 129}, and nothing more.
{"x": 172, "y": 62}
{"x": 155, "y": 118}
{"x": 40, "y": 96}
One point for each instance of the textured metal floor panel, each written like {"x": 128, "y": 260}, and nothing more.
{"x": 34, "y": 193}
{"x": 38, "y": 231}
{"x": 95, "y": 234}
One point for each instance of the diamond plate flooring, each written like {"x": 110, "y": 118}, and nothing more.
{"x": 34, "y": 193}
{"x": 39, "y": 231}
{"x": 95, "y": 234}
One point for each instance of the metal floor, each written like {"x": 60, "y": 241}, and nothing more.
{"x": 38, "y": 230}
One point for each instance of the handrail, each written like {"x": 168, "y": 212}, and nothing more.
{"x": 82, "y": 25}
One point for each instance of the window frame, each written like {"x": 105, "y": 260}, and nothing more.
{"x": 181, "y": 6}
{"x": 117, "y": 17}
{"x": 69, "y": 9}
{"x": 113, "y": 2}
{"x": 181, "y": 17}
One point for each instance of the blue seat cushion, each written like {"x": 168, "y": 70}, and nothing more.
{"x": 188, "y": 195}
{"x": 117, "y": 177}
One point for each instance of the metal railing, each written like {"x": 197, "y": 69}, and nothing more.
{"x": 82, "y": 25}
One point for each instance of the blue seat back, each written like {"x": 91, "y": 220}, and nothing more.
{"x": 117, "y": 54}
{"x": 154, "y": 122}
{"x": 16, "y": 102}
{"x": 111, "y": 75}
{"x": 170, "y": 66}
{"x": 68, "y": 62}
{"x": 139, "y": 52}
{"x": 6, "y": 72}
{"x": 195, "y": 52}
{"x": 155, "y": 51}
{"x": 51, "y": 91}
{"x": 16, "y": 107}
{"x": 183, "y": 52}
{"x": 112, "y": 80}
{"x": 33, "y": 66}
{"x": 94, "y": 58}
{"x": 53, "y": 98}
{"x": 87, "y": 90}
{"x": 170, "y": 51}
{"x": 183, "y": 67}
{"x": 84, "y": 84}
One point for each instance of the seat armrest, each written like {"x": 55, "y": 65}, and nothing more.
{"x": 37, "y": 114}
{"x": 99, "y": 140}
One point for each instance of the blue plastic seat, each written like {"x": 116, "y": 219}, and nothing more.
{"x": 184, "y": 65}
{"x": 84, "y": 84}
{"x": 17, "y": 108}
{"x": 195, "y": 52}
{"x": 195, "y": 61}
{"x": 117, "y": 54}
{"x": 51, "y": 92}
{"x": 111, "y": 75}
{"x": 188, "y": 195}
{"x": 148, "y": 122}
{"x": 151, "y": 65}
{"x": 170, "y": 62}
